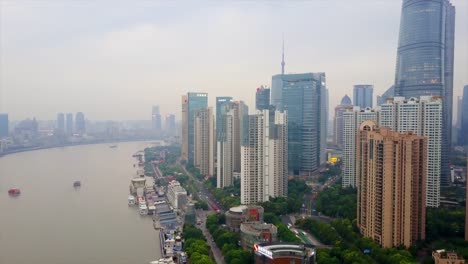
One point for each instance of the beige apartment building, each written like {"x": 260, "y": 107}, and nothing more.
{"x": 204, "y": 141}
{"x": 391, "y": 170}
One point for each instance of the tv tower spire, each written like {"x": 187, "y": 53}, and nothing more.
{"x": 282, "y": 61}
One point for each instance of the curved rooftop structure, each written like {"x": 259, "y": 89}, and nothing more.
{"x": 346, "y": 100}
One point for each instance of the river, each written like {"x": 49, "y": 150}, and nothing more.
{"x": 53, "y": 223}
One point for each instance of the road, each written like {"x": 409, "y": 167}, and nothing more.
{"x": 205, "y": 195}
{"x": 217, "y": 254}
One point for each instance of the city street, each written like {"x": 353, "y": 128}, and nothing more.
{"x": 217, "y": 254}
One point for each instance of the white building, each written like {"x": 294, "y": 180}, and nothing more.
{"x": 424, "y": 117}
{"x": 204, "y": 140}
{"x": 264, "y": 158}
{"x": 352, "y": 119}
{"x": 176, "y": 195}
{"x": 228, "y": 147}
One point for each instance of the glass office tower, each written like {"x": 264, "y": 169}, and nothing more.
{"x": 304, "y": 97}
{"x": 425, "y": 59}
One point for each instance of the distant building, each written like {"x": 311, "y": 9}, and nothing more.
{"x": 256, "y": 233}
{"x": 463, "y": 135}
{"x": 262, "y": 98}
{"x": 363, "y": 95}
{"x": 176, "y": 195}
{"x": 234, "y": 127}
{"x": 284, "y": 252}
{"x": 80, "y": 124}
{"x": 204, "y": 141}
{"x": 220, "y": 114}
{"x": 390, "y": 93}
{"x": 170, "y": 124}
{"x": 264, "y": 158}
{"x": 352, "y": 119}
{"x": 191, "y": 103}
{"x": 4, "y": 129}
{"x": 304, "y": 97}
{"x": 447, "y": 257}
{"x": 243, "y": 214}
{"x": 61, "y": 122}
{"x": 391, "y": 206}
{"x": 156, "y": 122}
{"x": 69, "y": 123}
{"x": 345, "y": 105}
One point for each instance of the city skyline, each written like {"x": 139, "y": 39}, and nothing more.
{"x": 114, "y": 58}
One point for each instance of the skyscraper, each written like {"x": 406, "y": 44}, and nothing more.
{"x": 391, "y": 186}
{"x": 220, "y": 113}
{"x": 191, "y": 103}
{"x": 423, "y": 117}
{"x": 4, "y": 125}
{"x": 234, "y": 124}
{"x": 425, "y": 59}
{"x": 262, "y": 98}
{"x": 390, "y": 93}
{"x": 363, "y": 95}
{"x": 204, "y": 141}
{"x": 170, "y": 124}
{"x": 69, "y": 123}
{"x": 352, "y": 119}
{"x": 80, "y": 125}
{"x": 61, "y": 122}
{"x": 463, "y": 135}
{"x": 264, "y": 158}
{"x": 156, "y": 119}
{"x": 304, "y": 97}
{"x": 339, "y": 122}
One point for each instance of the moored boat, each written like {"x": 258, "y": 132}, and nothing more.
{"x": 131, "y": 200}
{"x": 143, "y": 209}
{"x": 14, "y": 191}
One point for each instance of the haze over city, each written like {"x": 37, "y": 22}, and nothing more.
{"x": 115, "y": 60}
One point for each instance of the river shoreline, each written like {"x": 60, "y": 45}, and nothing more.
{"x": 74, "y": 145}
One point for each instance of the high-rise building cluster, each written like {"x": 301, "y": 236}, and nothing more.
{"x": 396, "y": 154}
{"x": 285, "y": 135}
{"x": 66, "y": 124}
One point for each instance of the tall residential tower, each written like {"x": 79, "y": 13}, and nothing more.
{"x": 391, "y": 166}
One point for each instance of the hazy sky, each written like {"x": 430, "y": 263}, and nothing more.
{"x": 115, "y": 59}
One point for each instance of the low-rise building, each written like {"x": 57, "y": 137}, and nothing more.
{"x": 447, "y": 257}
{"x": 243, "y": 214}
{"x": 256, "y": 232}
{"x": 176, "y": 195}
{"x": 284, "y": 252}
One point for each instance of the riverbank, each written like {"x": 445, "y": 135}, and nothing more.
{"x": 2, "y": 154}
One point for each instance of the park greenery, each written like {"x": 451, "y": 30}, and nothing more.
{"x": 196, "y": 246}
{"x": 227, "y": 197}
{"x": 290, "y": 204}
{"x": 227, "y": 241}
{"x": 336, "y": 201}
{"x": 348, "y": 246}
{"x": 444, "y": 230}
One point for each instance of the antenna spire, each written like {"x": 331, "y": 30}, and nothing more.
{"x": 282, "y": 61}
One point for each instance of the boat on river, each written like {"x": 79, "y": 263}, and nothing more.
{"x": 14, "y": 192}
{"x": 143, "y": 209}
{"x": 131, "y": 200}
